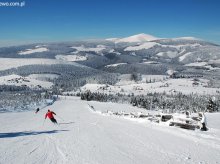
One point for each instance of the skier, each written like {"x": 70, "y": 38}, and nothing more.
{"x": 50, "y": 114}
{"x": 37, "y": 110}
{"x": 203, "y": 122}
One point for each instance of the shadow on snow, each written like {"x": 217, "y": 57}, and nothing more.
{"x": 66, "y": 123}
{"x": 28, "y": 133}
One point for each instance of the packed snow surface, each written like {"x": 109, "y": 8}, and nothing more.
{"x": 84, "y": 137}
{"x": 31, "y": 51}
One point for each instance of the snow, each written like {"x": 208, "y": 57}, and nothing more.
{"x": 196, "y": 64}
{"x": 170, "y": 86}
{"x": 125, "y": 79}
{"x": 7, "y": 63}
{"x": 136, "y": 38}
{"x": 181, "y": 58}
{"x": 115, "y": 52}
{"x": 214, "y": 61}
{"x": 98, "y": 48}
{"x": 43, "y": 77}
{"x": 20, "y": 80}
{"x": 153, "y": 77}
{"x": 160, "y": 54}
{"x": 87, "y": 137}
{"x": 112, "y": 39}
{"x": 31, "y": 51}
{"x": 142, "y": 46}
{"x": 114, "y": 65}
{"x": 183, "y": 47}
{"x": 202, "y": 64}
{"x": 150, "y": 62}
{"x": 170, "y": 72}
{"x": 71, "y": 58}
{"x": 187, "y": 38}
{"x": 170, "y": 54}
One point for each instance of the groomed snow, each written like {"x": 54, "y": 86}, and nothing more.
{"x": 71, "y": 58}
{"x": 31, "y": 51}
{"x": 142, "y": 46}
{"x": 87, "y": 137}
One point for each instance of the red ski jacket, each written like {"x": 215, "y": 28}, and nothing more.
{"x": 49, "y": 114}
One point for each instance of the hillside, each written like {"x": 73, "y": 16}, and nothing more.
{"x": 87, "y": 137}
{"x": 140, "y": 64}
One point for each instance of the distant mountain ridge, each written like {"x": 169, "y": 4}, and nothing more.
{"x": 143, "y": 54}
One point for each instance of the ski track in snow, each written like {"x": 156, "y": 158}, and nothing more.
{"x": 87, "y": 137}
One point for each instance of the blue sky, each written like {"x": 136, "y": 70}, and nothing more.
{"x": 67, "y": 20}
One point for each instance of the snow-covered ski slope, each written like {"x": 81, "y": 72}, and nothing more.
{"x": 85, "y": 137}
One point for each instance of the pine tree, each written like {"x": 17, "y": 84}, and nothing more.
{"x": 211, "y": 107}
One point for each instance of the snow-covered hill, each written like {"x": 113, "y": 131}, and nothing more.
{"x": 31, "y": 82}
{"x": 87, "y": 137}
{"x": 135, "y": 38}
{"x": 169, "y": 86}
{"x": 35, "y": 50}
{"x": 143, "y": 54}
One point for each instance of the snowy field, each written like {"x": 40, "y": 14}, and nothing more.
{"x": 170, "y": 86}
{"x": 7, "y": 63}
{"x": 147, "y": 45}
{"x": 34, "y": 50}
{"x": 82, "y": 48}
{"x": 30, "y": 81}
{"x": 87, "y": 137}
{"x": 114, "y": 65}
{"x": 71, "y": 58}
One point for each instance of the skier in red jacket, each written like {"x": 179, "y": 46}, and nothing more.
{"x": 50, "y": 114}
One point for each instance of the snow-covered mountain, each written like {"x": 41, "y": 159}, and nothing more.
{"x": 75, "y": 63}
{"x": 134, "y": 39}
